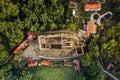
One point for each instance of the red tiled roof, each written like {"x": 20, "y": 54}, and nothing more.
{"x": 32, "y": 64}
{"x": 31, "y": 60}
{"x": 110, "y": 66}
{"x": 30, "y": 35}
{"x": 46, "y": 63}
{"x": 67, "y": 63}
{"x": 91, "y": 27}
{"x": 87, "y": 34}
{"x": 22, "y": 45}
{"x": 92, "y": 7}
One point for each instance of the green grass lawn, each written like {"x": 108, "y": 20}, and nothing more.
{"x": 55, "y": 73}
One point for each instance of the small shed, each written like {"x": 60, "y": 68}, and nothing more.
{"x": 67, "y": 63}
{"x": 72, "y": 5}
{"x": 109, "y": 66}
{"x": 46, "y": 62}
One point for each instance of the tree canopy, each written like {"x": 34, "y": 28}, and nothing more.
{"x": 17, "y": 17}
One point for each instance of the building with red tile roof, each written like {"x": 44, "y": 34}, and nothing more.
{"x": 110, "y": 65}
{"x": 87, "y": 34}
{"x": 32, "y": 63}
{"x": 47, "y": 63}
{"x": 22, "y": 45}
{"x": 30, "y": 35}
{"x": 92, "y": 7}
{"x": 91, "y": 28}
{"x": 67, "y": 63}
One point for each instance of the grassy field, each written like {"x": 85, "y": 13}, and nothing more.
{"x": 55, "y": 73}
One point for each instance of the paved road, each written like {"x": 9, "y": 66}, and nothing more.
{"x": 106, "y": 72}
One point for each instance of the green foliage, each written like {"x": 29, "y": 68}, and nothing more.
{"x": 26, "y": 75}
{"x": 55, "y": 73}
{"x": 86, "y": 60}
{"x": 53, "y": 26}
{"x": 94, "y": 71}
{"x": 93, "y": 48}
{"x": 81, "y": 77}
{"x": 73, "y": 26}
{"x": 4, "y": 72}
{"x": 8, "y": 10}
{"x": 19, "y": 16}
{"x": 110, "y": 41}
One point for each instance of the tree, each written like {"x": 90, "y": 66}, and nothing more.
{"x": 93, "y": 48}
{"x": 81, "y": 77}
{"x": 94, "y": 71}
{"x": 86, "y": 61}
{"x": 73, "y": 26}
{"x": 4, "y": 71}
{"x": 110, "y": 41}
{"x": 9, "y": 10}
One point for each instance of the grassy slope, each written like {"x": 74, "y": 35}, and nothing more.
{"x": 55, "y": 73}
